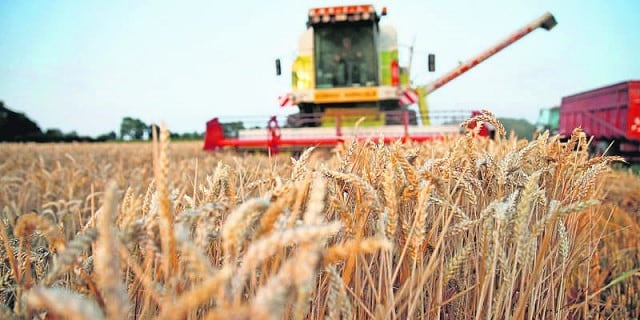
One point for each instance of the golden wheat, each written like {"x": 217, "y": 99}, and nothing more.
{"x": 465, "y": 227}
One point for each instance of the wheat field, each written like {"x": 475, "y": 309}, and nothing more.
{"x": 464, "y": 228}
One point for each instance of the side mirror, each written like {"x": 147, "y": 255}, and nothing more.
{"x": 278, "y": 69}
{"x": 432, "y": 62}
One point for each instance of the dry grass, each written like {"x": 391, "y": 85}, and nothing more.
{"x": 466, "y": 228}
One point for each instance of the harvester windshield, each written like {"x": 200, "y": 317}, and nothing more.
{"x": 345, "y": 55}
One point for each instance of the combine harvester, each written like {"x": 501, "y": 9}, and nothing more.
{"x": 347, "y": 73}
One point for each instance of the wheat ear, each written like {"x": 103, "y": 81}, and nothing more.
{"x": 63, "y": 304}
{"x": 337, "y": 298}
{"x": 67, "y": 258}
{"x": 390, "y": 202}
{"x": 237, "y": 226}
{"x": 486, "y": 116}
{"x": 419, "y": 228}
{"x": 107, "y": 259}
{"x": 342, "y": 251}
{"x": 25, "y": 227}
{"x": 263, "y": 248}
{"x": 9, "y": 252}
{"x": 169, "y": 250}
{"x": 191, "y": 299}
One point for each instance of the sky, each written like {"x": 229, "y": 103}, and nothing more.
{"x": 84, "y": 65}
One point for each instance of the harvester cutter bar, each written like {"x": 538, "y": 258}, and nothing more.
{"x": 274, "y": 138}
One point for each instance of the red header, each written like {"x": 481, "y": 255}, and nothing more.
{"x": 341, "y": 10}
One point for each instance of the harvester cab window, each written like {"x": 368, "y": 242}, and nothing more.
{"x": 345, "y": 56}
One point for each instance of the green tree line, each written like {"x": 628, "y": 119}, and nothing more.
{"x": 17, "y": 127}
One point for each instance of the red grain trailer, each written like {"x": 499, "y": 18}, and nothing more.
{"x": 608, "y": 114}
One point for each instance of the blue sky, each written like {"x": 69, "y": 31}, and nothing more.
{"x": 83, "y": 65}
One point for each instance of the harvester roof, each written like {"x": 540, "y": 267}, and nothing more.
{"x": 328, "y": 15}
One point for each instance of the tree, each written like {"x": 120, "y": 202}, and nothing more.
{"x": 15, "y": 126}
{"x": 151, "y": 128}
{"x": 131, "y": 128}
{"x": 54, "y": 134}
{"x": 231, "y": 128}
{"x": 520, "y": 127}
{"x": 107, "y": 136}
